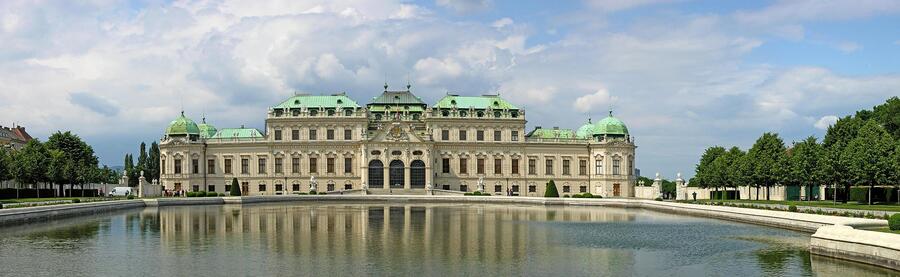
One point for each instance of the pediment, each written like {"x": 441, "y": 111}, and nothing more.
{"x": 396, "y": 132}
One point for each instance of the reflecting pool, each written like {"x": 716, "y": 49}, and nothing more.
{"x": 341, "y": 239}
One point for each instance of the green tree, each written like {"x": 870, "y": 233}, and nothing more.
{"x": 833, "y": 169}
{"x": 869, "y": 156}
{"x": 81, "y": 164}
{"x": 888, "y": 114}
{"x": 551, "y": 190}
{"x": 130, "y": 171}
{"x": 703, "y": 172}
{"x": 235, "y": 187}
{"x": 57, "y": 167}
{"x": 803, "y": 164}
{"x": 766, "y": 162}
{"x": 4, "y": 165}
{"x": 153, "y": 161}
{"x": 30, "y": 164}
{"x": 727, "y": 170}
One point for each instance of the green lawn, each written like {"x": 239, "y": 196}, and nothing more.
{"x": 893, "y": 207}
{"x": 886, "y": 230}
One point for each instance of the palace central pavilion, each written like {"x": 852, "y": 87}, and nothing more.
{"x": 398, "y": 144}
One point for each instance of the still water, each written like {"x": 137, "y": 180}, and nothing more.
{"x": 356, "y": 239}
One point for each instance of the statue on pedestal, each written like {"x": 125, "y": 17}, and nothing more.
{"x": 481, "y": 184}
{"x": 312, "y": 183}
{"x": 365, "y": 186}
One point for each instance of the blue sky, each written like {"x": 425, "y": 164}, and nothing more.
{"x": 684, "y": 75}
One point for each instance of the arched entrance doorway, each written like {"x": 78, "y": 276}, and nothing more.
{"x": 417, "y": 174}
{"x": 376, "y": 174}
{"x": 396, "y": 174}
{"x": 616, "y": 190}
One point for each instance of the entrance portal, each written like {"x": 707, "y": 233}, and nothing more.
{"x": 616, "y": 190}
{"x": 397, "y": 174}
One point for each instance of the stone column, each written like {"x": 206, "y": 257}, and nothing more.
{"x": 657, "y": 186}
{"x": 680, "y": 188}
{"x": 406, "y": 183}
{"x": 141, "y": 182}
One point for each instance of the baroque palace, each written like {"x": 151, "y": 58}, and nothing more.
{"x": 398, "y": 144}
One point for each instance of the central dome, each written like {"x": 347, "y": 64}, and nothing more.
{"x": 182, "y": 126}
{"x": 206, "y": 130}
{"x": 587, "y": 130}
{"x": 611, "y": 126}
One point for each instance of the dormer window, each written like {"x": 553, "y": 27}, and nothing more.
{"x": 330, "y": 112}
{"x": 348, "y": 112}
{"x": 313, "y": 112}
{"x": 297, "y": 102}
{"x": 497, "y": 114}
{"x": 463, "y": 114}
{"x": 480, "y": 114}
{"x": 339, "y": 101}
{"x": 453, "y": 102}
{"x": 496, "y": 104}
{"x": 445, "y": 113}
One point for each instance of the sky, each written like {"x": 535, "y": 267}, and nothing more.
{"x": 683, "y": 75}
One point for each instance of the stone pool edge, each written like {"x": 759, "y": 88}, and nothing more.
{"x": 832, "y": 236}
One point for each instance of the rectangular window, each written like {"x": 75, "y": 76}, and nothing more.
{"x": 462, "y": 135}
{"x": 227, "y": 188}
{"x": 532, "y": 167}
{"x": 279, "y": 165}
{"x": 312, "y": 134}
{"x": 211, "y": 188}
{"x": 329, "y": 165}
{"x": 195, "y": 188}
{"x": 262, "y": 166}
{"x": 515, "y": 188}
{"x": 548, "y": 168}
{"x": 463, "y": 188}
{"x": 515, "y": 166}
{"x": 295, "y": 134}
{"x": 245, "y": 166}
{"x": 162, "y": 169}
{"x": 582, "y": 189}
{"x": 566, "y": 167}
{"x": 278, "y": 187}
{"x": 498, "y": 135}
{"x": 515, "y": 135}
{"x": 498, "y": 166}
{"x": 498, "y": 188}
{"x": 479, "y": 135}
{"x": 262, "y": 187}
{"x": 277, "y": 134}
{"x": 445, "y": 187}
{"x": 313, "y": 164}
{"x": 532, "y": 188}
{"x": 598, "y": 167}
{"x": 348, "y": 165}
{"x": 177, "y": 166}
{"x": 479, "y": 166}
{"x": 295, "y": 165}
{"x": 463, "y": 166}
{"x": 195, "y": 166}
{"x": 445, "y": 135}
{"x": 295, "y": 187}
{"x": 566, "y": 189}
{"x": 582, "y": 167}
{"x": 348, "y": 134}
{"x": 445, "y": 165}
{"x": 616, "y": 166}
{"x": 329, "y": 134}
{"x": 228, "y": 166}
{"x": 211, "y": 166}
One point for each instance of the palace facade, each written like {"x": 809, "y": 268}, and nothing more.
{"x": 398, "y": 144}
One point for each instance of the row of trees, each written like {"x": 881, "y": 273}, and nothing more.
{"x": 63, "y": 160}
{"x": 863, "y": 149}
{"x": 148, "y": 162}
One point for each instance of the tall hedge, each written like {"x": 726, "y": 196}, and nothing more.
{"x": 551, "y": 190}
{"x": 235, "y": 188}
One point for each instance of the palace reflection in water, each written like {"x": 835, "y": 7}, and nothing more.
{"x": 341, "y": 239}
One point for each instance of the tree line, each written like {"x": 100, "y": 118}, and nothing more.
{"x": 148, "y": 162}
{"x": 63, "y": 160}
{"x": 858, "y": 150}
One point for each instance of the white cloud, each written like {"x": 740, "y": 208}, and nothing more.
{"x": 593, "y": 102}
{"x": 466, "y": 6}
{"x": 848, "y": 46}
{"x": 814, "y": 10}
{"x": 431, "y": 70}
{"x": 621, "y": 5}
{"x": 825, "y": 122}
{"x": 503, "y": 22}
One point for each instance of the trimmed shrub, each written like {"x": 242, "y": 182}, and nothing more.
{"x": 551, "y": 190}
{"x": 312, "y": 192}
{"x": 792, "y": 208}
{"x": 323, "y": 193}
{"x": 76, "y": 200}
{"x": 235, "y": 188}
{"x": 476, "y": 193}
{"x": 221, "y": 194}
{"x": 894, "y": 222}
{"x": 658, "y": 199}
{"x": 587, "y": 195}
{"x": 129, "y": 197}
{"x": 566, "y": 196}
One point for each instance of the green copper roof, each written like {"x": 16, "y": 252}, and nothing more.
{"x": 396, "y": 98}
{"x": 587, "y": 130}
{"x": 551, "y": 133}
{"x": 318, "y": 101}
{"x": 382, "y": 108}
{"x": 611, "y": 126}
{"x": 476, "y": 102}
{"x": 182, "y": 126}
{"x": 240, "y": 133}
{"x": 206, "y": 130}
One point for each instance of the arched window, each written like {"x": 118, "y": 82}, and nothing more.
{"x": 376, "y": 174}
{"x": 417, "y": 174}
{"x": 397, "y": 173}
